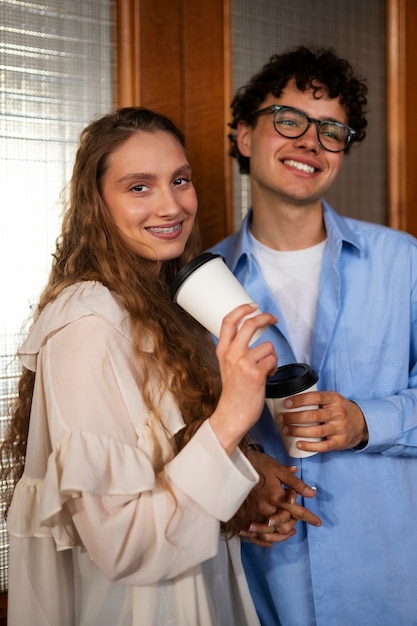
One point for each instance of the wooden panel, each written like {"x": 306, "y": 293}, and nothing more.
{"x": 206, "y": 100}
{"x": 402, "y": 118}
{"x": 126, "y": 53}
{"x": 148, "y": 55}
{"x": 161, "y": 70}
{"x": 410, "y": 121}
{"x": 175, "y": 59}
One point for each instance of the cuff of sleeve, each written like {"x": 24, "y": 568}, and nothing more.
{"x": 217, "y": 482}
{"x": 382, "y": 428}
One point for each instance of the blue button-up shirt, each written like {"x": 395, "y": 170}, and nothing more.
{"x": 360, "y": 567}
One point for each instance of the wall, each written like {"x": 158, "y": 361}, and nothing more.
{"x": 177, "y": 56}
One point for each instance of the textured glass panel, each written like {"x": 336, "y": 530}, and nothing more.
{"x": 55, "y": 76}
{"x": 356, "y": 30}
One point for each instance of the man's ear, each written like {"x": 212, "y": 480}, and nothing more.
{"x": 243, "y": 138}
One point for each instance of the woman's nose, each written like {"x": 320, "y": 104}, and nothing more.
{"x": 167, "y": 203}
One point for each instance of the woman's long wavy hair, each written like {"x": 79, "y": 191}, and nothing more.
{"x": 91, "y": 248}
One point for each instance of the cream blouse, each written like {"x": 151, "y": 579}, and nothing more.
{"x": 95, "y": 538}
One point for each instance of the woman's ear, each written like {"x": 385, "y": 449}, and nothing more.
{"x": 243, "y": 138}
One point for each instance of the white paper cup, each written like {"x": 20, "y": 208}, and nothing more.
{"x": 290, "y": 380}
{"x": 208, "y": 290}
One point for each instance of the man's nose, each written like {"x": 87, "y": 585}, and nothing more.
{"x": 310, "y": 139}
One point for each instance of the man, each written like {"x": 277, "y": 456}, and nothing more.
{"x": 345, "y": 293}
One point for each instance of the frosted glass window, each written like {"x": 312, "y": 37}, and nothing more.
{"x": 55, "y": 76}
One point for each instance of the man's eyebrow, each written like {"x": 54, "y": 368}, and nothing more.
{"x": 333, "y": 119}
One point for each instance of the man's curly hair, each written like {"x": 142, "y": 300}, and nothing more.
{"x": 312, "y": 68}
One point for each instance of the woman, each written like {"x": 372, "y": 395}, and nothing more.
{"x": 130, "y": 459}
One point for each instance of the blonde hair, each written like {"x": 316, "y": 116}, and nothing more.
{"x": 90, "y": 248}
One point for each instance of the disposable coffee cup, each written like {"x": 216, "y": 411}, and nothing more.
{"x": 208, "y": 290}
{"x": 290, "y": 380}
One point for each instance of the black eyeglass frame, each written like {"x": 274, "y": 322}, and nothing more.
{"x": 274, "y": 108}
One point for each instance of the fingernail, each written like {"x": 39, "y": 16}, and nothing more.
{"x": 288, "y": 403}
{"x": 252, "y": 528}
{"x": 279, "y": 418}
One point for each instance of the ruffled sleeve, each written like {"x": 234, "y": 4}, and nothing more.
{"x": 150, "y": 532}
{"x": 113, "y": 468}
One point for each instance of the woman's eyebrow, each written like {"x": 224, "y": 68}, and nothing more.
{"x": 135, "y": 176}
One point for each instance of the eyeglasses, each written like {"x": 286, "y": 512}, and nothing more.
{"x": 292, "y": 123}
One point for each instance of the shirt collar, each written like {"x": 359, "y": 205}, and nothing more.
{"x": 339, "y": 231}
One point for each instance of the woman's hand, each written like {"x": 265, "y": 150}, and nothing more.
{"x": 243, "y": 372}
{"x": 271, "y": 509}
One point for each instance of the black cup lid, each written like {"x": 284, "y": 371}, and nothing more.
{"x": 290, "y": 379}
{"x": 189, "y": 268}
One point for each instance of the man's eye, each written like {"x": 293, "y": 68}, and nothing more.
{"x": 288, "y": 122}
{"x": 332, "y": 131}
{"x": 330, "y": 134}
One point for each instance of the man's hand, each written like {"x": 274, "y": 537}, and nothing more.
{"x": 338, "y": 421}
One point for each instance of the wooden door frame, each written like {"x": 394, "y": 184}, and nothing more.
{"x": 402, "y": 114}
{"x": 396, "y": 51}
{"x": 126, "y": 63}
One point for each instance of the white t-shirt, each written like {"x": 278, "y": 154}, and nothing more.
{"x": 293, "y": 278}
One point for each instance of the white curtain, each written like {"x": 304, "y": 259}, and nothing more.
{"x": 55, "y": 76}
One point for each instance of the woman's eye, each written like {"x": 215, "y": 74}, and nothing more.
{"x": 182, "y": 181}
{"x": 139, "y": 187}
